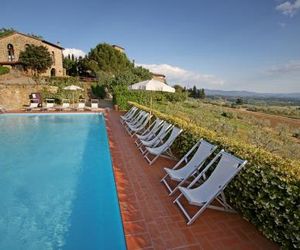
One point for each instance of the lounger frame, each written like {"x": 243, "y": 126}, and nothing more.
{"x": 157, "y": 139}
{"x": 185, "y": 160}
{"x": 150, "y": 132}
{"x": 165, "y": 152}
{"x": 219, "y": 196}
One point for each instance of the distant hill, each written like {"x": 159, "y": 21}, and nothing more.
{"x": 249, "y": 94}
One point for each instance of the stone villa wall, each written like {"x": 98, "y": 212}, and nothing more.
{"x": 19, "y": 43}
{"x": 16, "y": 96}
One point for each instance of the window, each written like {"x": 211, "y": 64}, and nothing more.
{"x": 10, "y": 52}
{"x": 53, "y": 57}
{"x": 53, "y": 72}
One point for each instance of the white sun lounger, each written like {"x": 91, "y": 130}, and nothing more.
{"x": 133, "y": 117}
{"x": 163, "y": 149}
{"x": 65, "y": 105}
{"x": 2, "y": 110}
{"x": 128, "y": 115}
{"x": 149, "y": 133}
{"x": 34, "y": 103}
{"x": 94, "y": 104}
{"x": 162, "y": 133}
{"x": 132, "y": 130}
{"x": 212, "y": 188}
{"x": 194, "y": 164}
{"x": 49, "y": 105}
{"x": 136, "y": 119}
{"x": 80, "y": 105}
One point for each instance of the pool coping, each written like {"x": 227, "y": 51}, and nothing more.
{"x": 52, "y": 113}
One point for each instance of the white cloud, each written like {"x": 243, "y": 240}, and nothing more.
{"x": 288, "y": 68}
{"x": 72, "y": 51}
{"x": 289, "y": 8}
{"x": 282, "y": 25}
{"x": 184, "y": 77}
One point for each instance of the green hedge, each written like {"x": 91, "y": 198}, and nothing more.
{"x": 266, "y": 192}
{"x": 121, "y": 96}
{"x": 4, "y": 70}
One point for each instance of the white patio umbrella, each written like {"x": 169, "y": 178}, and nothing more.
{"x": 153, "y": 85}
{"x": 73, "y": 88}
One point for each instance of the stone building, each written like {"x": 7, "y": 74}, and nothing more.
{"x": 13, "y": 43}
{"x": 159, "y": 77}
{"x": 119, "y": 48}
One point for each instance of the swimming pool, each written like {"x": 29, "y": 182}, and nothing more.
{"x": 57, "y": 183}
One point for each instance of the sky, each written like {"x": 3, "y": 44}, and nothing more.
{"x": 227, "y": 45}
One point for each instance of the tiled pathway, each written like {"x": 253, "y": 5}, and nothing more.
{"x": 152, "y": 221}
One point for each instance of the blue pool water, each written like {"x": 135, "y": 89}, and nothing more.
{"x": 57, "y": 188}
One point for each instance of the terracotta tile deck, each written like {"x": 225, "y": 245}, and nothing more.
{"x": 152, "y": 221}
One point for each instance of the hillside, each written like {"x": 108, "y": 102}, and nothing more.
{"x": 249, "y": 94}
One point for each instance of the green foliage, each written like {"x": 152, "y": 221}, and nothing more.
{"x": 70, "y": 66}
{"x": 99, "y": 90}
{"x": 129, "y": 77}
{"x": 296, "y": 133}
{"x": 197, "y": 93}
{"x": 6, "y": 31}
{"x": 58, "y": 83}
{"x": 239, "y": 101}
{"x": 227, "y": 114}
{"x": 36, "y": 58}
{"x": 122, "y": 79}
{"x": 201, "y": 93}
{"x": 105, "y": 58}
{"x": 266, "y": 192}
{"x": 35, "y": 36}
{"x": 122, "y": 95}
{"x": 112, "y": 67}
{"x": 141, "y": 74}
{"x": 4, "y": 70}
{"x": 178, "y": 88}
{"x": 77, "y": 66}
{"x": 241, "y": 126}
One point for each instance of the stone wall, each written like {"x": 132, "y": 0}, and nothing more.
{"x": 16, "y": 96}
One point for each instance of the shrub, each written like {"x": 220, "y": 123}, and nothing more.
{"x": 60, "y": 93}
{"x": 4, "y": 70}
{"x": 99, "y": 90}
{"x": 296, "y": 133}
{"x": 121, "y": 96}
{"x": 266, "y": 192}
{"x": 227, "y": 115}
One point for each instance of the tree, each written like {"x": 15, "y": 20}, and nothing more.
{"x": 178, "y": 88}
{"x": 35, "y": 36}
{"x": 239, "y": 101}
{"x": 6, "y": 31}
{"x": 70, "y": 66}
{"x": 202, "y": 94}
{"x": 36, "y": 58}
{"x": 141, "y": 73}
{"x": 194, "y": 92}
{"x": 106, "y": 58}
